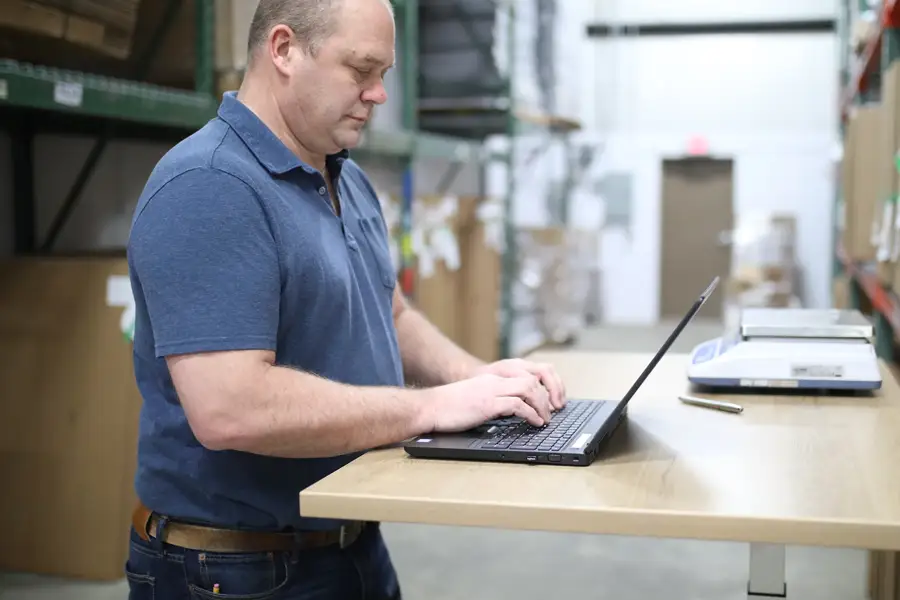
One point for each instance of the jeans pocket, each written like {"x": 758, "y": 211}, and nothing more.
{"x": 141, "y": 584}
{"x": 140, "y": 587}
{"x": 139, "y": 569}
{"x": 244, "y": 576}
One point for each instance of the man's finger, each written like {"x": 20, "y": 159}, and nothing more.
{"x": 560, "y": 386}
{"x": 551, "y": 381}
{"x": 537, "y": 397}
{"x": 511, "y": 405}
{"x": 528, "y": 387}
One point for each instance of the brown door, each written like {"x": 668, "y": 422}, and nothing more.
{"x": 697, "y": 219}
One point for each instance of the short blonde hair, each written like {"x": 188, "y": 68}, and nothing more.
{"x": 312, "y": 21}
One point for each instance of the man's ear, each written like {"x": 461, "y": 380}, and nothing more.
{"x": 281, "y": 49}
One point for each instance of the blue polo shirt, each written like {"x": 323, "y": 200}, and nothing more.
{"x": 235, "y": 246}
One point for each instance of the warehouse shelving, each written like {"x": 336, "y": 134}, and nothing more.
{"x": 869, "y": 295}
{"x": 479, "y": 111}
{"x": 43, "y": 88}
{"x": 413, "y": 143}
{"x": 861, "y": 78}
{"x": 38, "y": 98}
{"x": 857, "y": 80}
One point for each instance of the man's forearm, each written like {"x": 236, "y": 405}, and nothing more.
{"x": 429, "y": 357}
{"x": 298, "y": 415}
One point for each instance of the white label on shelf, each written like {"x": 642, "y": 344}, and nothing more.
{"x": 119, "y": 294}
{"x": 118, "y": 291}
{"x": 68, "y": 93}
{"x": 4, "y": 89}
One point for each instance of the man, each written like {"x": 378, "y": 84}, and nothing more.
{"x": 272, "y": 342}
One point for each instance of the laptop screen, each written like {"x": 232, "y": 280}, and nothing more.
{"x": 695, "y": 307}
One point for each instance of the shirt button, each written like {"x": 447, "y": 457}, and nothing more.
{"x": 322, "y": 191}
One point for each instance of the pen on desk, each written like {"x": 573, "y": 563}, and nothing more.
{"x": 714, "y": 404}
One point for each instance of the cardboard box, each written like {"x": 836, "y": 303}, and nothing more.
{"x": 458, "y": 270}
{"x": 840, "y": 292}
{"x": 888, "y": 223}
{"x": 68, "y": 419}
{"x": 106, "y": 27}
{"x": 861, "y": 181}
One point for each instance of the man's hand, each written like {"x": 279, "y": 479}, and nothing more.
{"x": 517, "y": 367}
{"x": 469, "y": 403}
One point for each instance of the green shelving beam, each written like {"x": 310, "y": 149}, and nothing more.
{"x": 29, "y": 86}
{"x": 393, "y": 143}
{"x": 419, "y": 145}
{"x": 436, "y": 146}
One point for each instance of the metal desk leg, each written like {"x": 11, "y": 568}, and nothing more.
{"x": 884, "y": 582}
{"x": 766, "y": 572}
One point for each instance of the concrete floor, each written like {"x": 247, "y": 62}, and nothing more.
{"x": 542, "y": 566}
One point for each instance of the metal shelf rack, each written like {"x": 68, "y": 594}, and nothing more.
{"x": 476, "y": 116}
{"x": 861, "y": 80}
{"x": 44, "y": 88}
{"x": 44, "y": 99}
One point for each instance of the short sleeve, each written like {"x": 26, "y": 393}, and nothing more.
{"x": 207, "y": 266}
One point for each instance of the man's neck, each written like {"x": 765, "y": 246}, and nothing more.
{"x": 257, "y": 96}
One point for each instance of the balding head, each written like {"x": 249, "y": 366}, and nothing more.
{"x": 312, "y": 21}
{"x": 316, "y": 69}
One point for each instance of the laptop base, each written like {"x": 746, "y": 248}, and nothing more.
{"x": 581, "y": 449}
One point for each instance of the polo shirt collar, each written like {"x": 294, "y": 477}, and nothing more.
{"x": 264, "y": 144}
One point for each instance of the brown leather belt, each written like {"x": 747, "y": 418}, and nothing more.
{"x": 212, "y": 539}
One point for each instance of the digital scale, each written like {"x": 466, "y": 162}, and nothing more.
{"x": 791, "y": 348}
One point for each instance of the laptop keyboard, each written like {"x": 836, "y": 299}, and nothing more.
{"x": 514, "y": 433}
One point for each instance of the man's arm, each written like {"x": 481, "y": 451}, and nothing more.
{"x": 241, "y": 400}
{"x": 429, "y": 357}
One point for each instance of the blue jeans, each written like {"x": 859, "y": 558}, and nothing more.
{"x": 361, "y": 571}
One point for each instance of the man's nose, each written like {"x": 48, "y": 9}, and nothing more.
{"x": 376, "y": 94}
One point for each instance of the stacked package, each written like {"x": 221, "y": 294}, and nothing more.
{"x": 552, "y": 285}
{"x": 106, "y": 26}
{"x": 764, "y": 268}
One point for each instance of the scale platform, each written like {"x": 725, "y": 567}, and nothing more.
{"x": 784, "y": 348}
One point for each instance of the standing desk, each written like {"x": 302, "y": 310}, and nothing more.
{"x": 789, "y": 470}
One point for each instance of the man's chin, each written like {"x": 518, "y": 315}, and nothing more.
{"x": 348, "y": 138}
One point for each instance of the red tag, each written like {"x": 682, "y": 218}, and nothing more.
{"x": 698, "y": 146}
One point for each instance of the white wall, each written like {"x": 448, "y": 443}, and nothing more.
{"x": 767, "y": 101}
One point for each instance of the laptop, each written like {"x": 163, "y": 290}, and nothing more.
{"x": 573, "y": 436}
